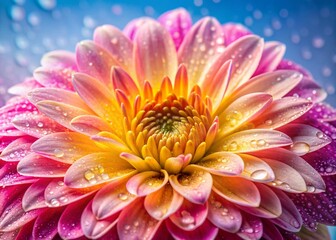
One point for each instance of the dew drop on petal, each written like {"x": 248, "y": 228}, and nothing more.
{"x": 123, "y": 196}
{"x": 300, "y": 148}
{"x": 89, "y": 175}
{"x": 58, "y": 153}
{"x": 187, "y": 219}
{"x": 311, "y": 189}
{"x": 259, "y": 175}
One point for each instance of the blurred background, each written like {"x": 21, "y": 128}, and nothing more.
{"x": 30, "y": 28}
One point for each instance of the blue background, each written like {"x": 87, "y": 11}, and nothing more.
{"x": 30, "y": 28}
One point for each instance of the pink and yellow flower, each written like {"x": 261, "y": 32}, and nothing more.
{"x": 167, "y": 130}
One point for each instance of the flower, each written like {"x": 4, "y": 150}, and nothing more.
{"x": 168, "y": 130}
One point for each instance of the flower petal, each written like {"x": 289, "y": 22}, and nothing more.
{"x": 277, "y": 84}
{"x": 123, "y": 81}
{"x": 24, "y": 87}
{"x": 221, "y": 163}
{"x": 90, "y": 125}
{"x": 65, "y": 147}
{"x": 96, "y": 168}
{"x": 234, "y": 31}
{"x": 251, "y": 228}
{"x": 270, "y": 205}
{"x": 95, "y": 61}
{"x": 309, "y": 90}
{"x": 54, "y": 77}
{"x": 271, "y": 232}
{"x": 224, "y": 214}
{"x": 134, "y": 221}
{"x": 133, "y": 26}
{"x": 69, "y": 226}
{"x": 45, "y": 225}
{"x": 59, "y": 59}
{"x": 271, "y": 57}
{"x": 290, "y": 218}
{"x": 111, "y": 199}
{"x": 242, "y": 110}
{"x": 147, "y": 182}
{"x": 190, "y": 216}
{"x": 289, "y": 65}
{"x": 193, "y": 184}
{"x": 154, "y": 67}
{"x": 312, "y": 178}
{"x": 33, "y": 198}
{"x": 206, "y": 231}
{"x": 245, "y": 54}
{"x": 38, "y": 166}
{"x": 162, "y": 203}
{"x": 252, "y": 140}
{"x": 94, "y": 228}
{"x": 178, "y": 22}
{"x": 9, "y": 176}
{"x": 282, "y": 111}
{"x": 237, "y": 190}
{"x": 199, "y": 47}
{"x": 305, "y": 138}
{"x": 256, "y": 169}
{"x": 17, "y": 150}
{"x": 117, "y": 44}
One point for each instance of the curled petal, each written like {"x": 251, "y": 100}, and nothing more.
{"x": 237, "y": 190}
{"x": 162, "y": 203}
{"x": 178, "y": 22}
{"x": 222, "y": 163}
{"x": 145, "y": 183}
{"x": 96, "y": 168}
{"x": 154, "y": 67}
{"x": 193, "y": 184}
{"x": 111, "y": 199}
{"x": 134, "y": 221}
{"x": 224, "y": 214}
{"x": 253, "y": 140}
{"x": 190, "y": 216}
{"x": 33, "y": 198}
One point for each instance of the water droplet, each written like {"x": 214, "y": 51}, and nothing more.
{"x": 261, "y": 142}
{"x": 300, "y": 148}
{"x": 233, "y": 146}
{"x": 54, "y": 202}
{"x": 58, "y": 153}
{"x": 187, "y": 219}
{"x": 311, "y": 189}
{"x": 259, "y": 175}
{"x": 320, "y": 135}
{"x": 89, "y": 175}
{"x": 40, "y": 124}
{"x": 268, "y": 122}
{"x": 123, "y": 196}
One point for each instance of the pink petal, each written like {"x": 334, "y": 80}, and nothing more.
{"x": 270, "y": 232}
{"x": 54, "y": 77}
{"x": 256, "y": 169}
{"x": 46, "y": 224}
{"x": 25, "y": 87}
{"x": 194, "y": 185}
{"x": 245, "y": 54}
{"x": 38, "y": 166}
{"x": 312, "y": 178}
{"x": 33, "y": 198}
{"x": 95, "y": 61}
{"x": 252, "y": 228}
{"x": 223, "y": 214}
{"x": 221, "y": 163}
{"x": 270, "y": 206}
{"x": 206, "y": 231}
{"x": 111, "y": 199}
{"x": 286, "y": 178}
{"x": 9, "y": 176}
{"x": 94, "y": 228}
{"x": 178, "y": 22}
{"x": 242, "y": 110}
{"x": 277, "y": 84}
{"x": 123, "y": 81}
{"x": 134, "y": 221}
{"x": 59, "y": 59}
{"x": 25, "y": 232}
{"x": 147, "y": 182}
{"x": 190, "y": 216}
{"x": 117, "y": 44}
{"x": 289, "y": 65}
{"x": 64, "y": 147}
{"x": 162, "y": 203}
{"x": 133, "y": 26}
{"x": 237, "y": 190}
{"x": 234, "y": 31}
{"x": 90, "y": 125}
{"x": 282, "y": 111}
{"x": 309, "y": 90}
{"x": 36, "y": 125}
{"x": 58, "y": 194}
{"x": 252, "y": 140}
{"x": 69, "y": 226}
{"x": 96, "y": 168}
{"x": 17, "y": 149}
{"x": 271, "y": 57}
{"x": 199, "y": 47}
{"x": 154, "y": 67}
{"x": 99, "y": 99}
{"x": 290, "y": 219}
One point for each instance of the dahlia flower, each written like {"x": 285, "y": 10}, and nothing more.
{"x": 168, "y": 130}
